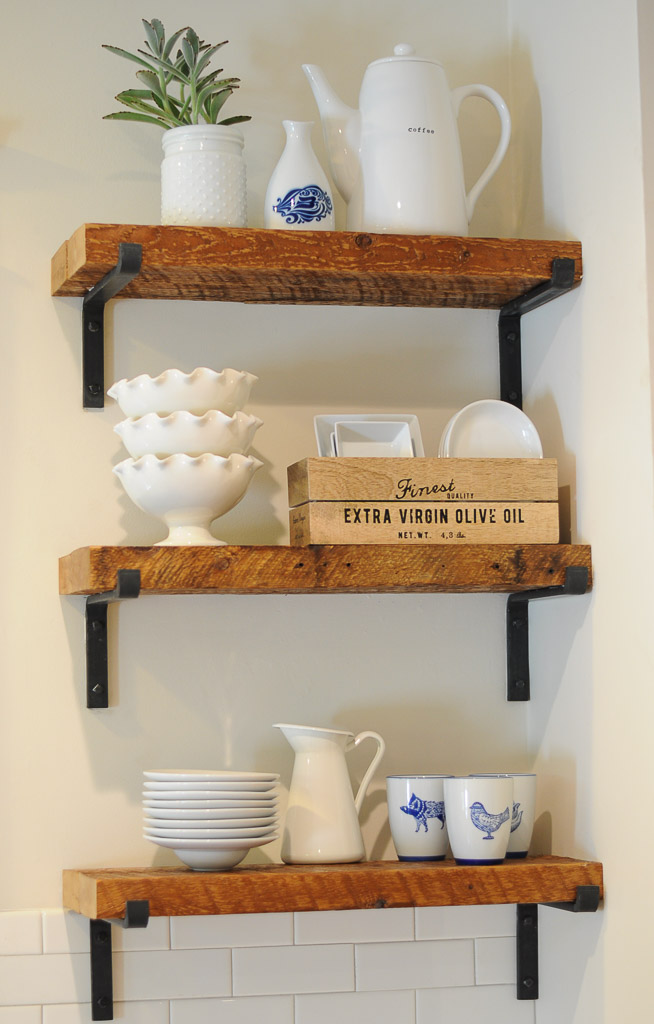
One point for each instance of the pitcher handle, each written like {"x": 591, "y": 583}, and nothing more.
{"x": 486, "y": 93}
{"x": 381, "y": 747}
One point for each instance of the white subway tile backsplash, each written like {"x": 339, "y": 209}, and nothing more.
{"x": 491, "y": 1004}
{"x": 20, "y": 932}
{"x": 279, "y": 969}
{"x": 20, "y": 1015}
{"x": 66, "y": 932}
{"x": 495, "y": 961}
{"x": 307, "y": 968}
{"x": 172, "y": 974}
{"x": 244, "y": 1010}
{"x": 231, "y": 930}
{"x": 356, "y": 1008}
{"x": 464, "y": 922}
{"x": 152, "y": 1012}
{"x": 354, "y": 926}
{"x": 406, "y": 965}
{"x": 31, "y": 980}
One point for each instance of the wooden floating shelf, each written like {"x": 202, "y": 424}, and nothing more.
{"x": 325, "y": 569}
{"x": 320, "y": 267}
{"x": 284, "y": 888}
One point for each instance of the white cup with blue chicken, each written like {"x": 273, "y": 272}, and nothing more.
{"x": 479, "y": 810}
{"x": 522, "y": 817}
{"x": 416, "y": 813}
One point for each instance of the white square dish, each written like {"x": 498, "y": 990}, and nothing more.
{"x": 325, "y": 429}
{"x": 376, "y": 439}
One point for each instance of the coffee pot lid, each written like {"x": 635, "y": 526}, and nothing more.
{"x": 403, "y": 52}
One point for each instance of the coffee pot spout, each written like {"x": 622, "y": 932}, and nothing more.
{"x": 341, "y": 128}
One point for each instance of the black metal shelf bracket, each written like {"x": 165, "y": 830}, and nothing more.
{"x": 137, "y": 915}
{"x": 527, "y": 980}
{"x": 517, "y": 628}
{"x": 126, "y": 269}
{"x": 128, "y": 585}
{"x": 562, "y": 280}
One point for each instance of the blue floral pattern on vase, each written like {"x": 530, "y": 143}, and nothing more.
{"x": 423, "y": 809}
{"x": 485, "y": 821}
{"x": 303, "y": 205}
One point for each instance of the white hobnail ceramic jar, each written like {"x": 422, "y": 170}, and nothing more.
{"x": 203, "y": 176}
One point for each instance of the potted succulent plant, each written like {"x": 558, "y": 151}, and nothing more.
{"x": 203, "y": 179}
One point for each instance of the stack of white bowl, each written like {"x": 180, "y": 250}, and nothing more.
{"x": 210, "y": 818}
{"x": 188, "y": 439}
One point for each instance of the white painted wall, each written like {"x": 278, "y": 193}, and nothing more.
{"x": 588, "y": 362}
{"x": 199, "y": 681}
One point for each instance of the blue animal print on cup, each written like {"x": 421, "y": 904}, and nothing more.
{"x": 485, "y": 821}
{"x": 423, "y": 809}
{"x": 303, "y": 205}
{"x": 516, "y": 818}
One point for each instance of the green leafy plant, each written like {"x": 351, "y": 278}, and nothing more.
{"x": 177, "y": 90}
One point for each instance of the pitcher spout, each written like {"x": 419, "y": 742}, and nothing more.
{"x": 341, "y": 128}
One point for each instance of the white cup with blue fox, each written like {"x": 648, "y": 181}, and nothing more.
{"x": 522, "y": 818}
{"x": 478, "y": 810}
{"x": 416, "y": 813}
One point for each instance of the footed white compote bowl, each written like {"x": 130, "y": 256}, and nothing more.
{"x": 185, "y": 432}
{"x": 187, "y": 492}
{"x": 197, "y": 392}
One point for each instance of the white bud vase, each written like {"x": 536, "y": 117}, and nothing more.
{"x": 203, "y": 180}
{"x": 298, "y": 194}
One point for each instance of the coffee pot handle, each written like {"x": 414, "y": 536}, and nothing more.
{"x": 486, "y": 93}
{"x": 381, "y": 747}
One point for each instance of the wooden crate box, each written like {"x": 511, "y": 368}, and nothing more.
{"x": 423, "y": 501}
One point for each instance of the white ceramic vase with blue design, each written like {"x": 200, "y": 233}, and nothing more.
{"x": 299, "y": 196}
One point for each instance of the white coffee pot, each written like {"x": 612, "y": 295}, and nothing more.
{"x": 322, "y": 816}
{"x": 397, "y": 159}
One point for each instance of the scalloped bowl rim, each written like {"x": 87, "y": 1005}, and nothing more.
{"x": 202, "y": 378}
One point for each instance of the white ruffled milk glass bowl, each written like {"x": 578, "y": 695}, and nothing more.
{"x": 184, "y": 432}
{"x": 203, "y": 176}
{"x": 173, "y": 391}
{"x": 187, "y": 493}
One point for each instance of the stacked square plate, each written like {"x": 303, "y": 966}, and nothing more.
{"x": 389, "y": 435}
{"x": 210, "y": 818}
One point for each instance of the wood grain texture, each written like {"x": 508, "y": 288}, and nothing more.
{"x": 283, "y": 888}
{"x": 323, "y": 569}
{"x": 321, "y": 267}
{"x": 421, "y": 479}
{"x": 427, "y": 522}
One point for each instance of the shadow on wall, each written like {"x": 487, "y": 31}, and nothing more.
{"x": 646, "y": 38}
{"x": 525, "y": 153}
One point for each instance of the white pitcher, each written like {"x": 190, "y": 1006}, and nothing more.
{"x": 322, "y": 818}
{"x": 397, "y": 159}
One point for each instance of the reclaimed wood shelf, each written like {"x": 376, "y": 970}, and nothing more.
{"x": 325, "y": 569}
{"x": 311, "y": 267}
{"x": 284, "y": 888}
